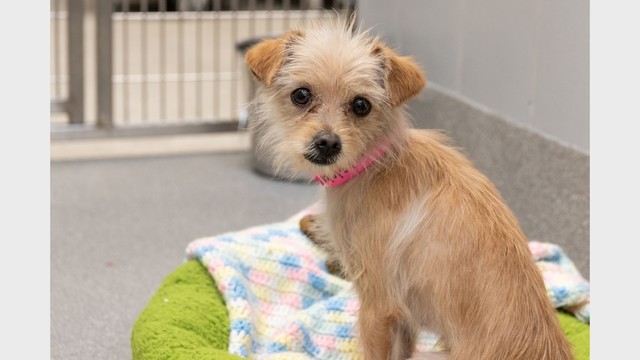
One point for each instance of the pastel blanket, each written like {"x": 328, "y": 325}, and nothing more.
{"x": 283, "y": 303}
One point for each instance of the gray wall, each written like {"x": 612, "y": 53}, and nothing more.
{"x": 527, "y": 60}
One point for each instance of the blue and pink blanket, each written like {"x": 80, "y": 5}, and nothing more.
{"x": 283, "y": 303}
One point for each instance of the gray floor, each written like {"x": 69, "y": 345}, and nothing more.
{"x": 118, "y": 227}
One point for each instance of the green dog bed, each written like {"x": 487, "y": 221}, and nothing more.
{"x": 187, "y": 319}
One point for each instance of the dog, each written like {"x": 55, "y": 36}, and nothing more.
{"x": 426, "y": 239}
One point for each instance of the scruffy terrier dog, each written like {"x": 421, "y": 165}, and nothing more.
{"x": 426, "y": 239}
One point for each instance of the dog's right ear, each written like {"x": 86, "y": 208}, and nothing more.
{"x": 266, "y": 57}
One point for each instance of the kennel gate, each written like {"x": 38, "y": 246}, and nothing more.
{"x": 148, "y": 67}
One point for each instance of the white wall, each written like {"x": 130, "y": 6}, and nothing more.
{"x": 527, "y": 60}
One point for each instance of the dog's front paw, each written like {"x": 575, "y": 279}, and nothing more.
{"x": 308, "y": 226}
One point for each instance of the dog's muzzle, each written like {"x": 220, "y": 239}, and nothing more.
{"x": 324, "y": 149}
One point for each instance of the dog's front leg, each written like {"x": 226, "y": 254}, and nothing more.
{"x": 375, "y": 332}
{"x": 311, "y": 225}
{"x": 404, "y": 334}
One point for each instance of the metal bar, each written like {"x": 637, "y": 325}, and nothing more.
{"x": 287, "y": 9}
{"x": 104, "y": 31}
{"x": 246, "y": 87}
{"x": 125, "y": 61}
{"x": 163, "y": 54}
{"x": 303, "y": 8}
{"x": 56, "y": 47}
{"x": 234, "y": 56}
{"x": 269, "y": 5}
{"x": 180, "y": 39}
{"x": 199, "y": 63}
{"x": 82, "y": 131}
{"x": 224, "y": 15}
{"x": 75, "y": 49}
{"x": 217, "y": 8}
{"x": 252, "y": 20}
{"x": 144, "y": 8}
{"x": 175, "y": 77}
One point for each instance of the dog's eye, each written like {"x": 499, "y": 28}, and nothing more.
{"x": 361, "y": 107}
{"x": 301, "y": 96}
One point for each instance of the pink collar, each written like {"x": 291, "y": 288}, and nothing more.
{"x": 346, "y": 175}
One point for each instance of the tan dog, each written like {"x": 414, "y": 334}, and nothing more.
{"x": 426, "y": 239}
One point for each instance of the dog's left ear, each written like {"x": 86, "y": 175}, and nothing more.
{"x": 404, "y": 78}
{"x": 266, "y": 57}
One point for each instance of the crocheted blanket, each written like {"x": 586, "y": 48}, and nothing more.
{"x": 283, "y": 302}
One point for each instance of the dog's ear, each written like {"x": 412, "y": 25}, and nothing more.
{"x": 404, "y": 78}
{"x": 266, "y": 57}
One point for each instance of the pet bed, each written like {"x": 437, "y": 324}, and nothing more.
{"x": 265, "y": 293}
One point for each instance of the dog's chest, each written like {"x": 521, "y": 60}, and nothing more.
{"x": 355, "y": 219}
{"x": 340, "y": 219}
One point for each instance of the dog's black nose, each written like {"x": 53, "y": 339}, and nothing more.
{"x": 327, "y": 144}
{"x": 326, "y": 148}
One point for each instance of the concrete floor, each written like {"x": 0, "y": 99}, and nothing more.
{"x": 119, "y": 226}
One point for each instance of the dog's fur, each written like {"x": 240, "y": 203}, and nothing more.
{"x": 426, "y": 238}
